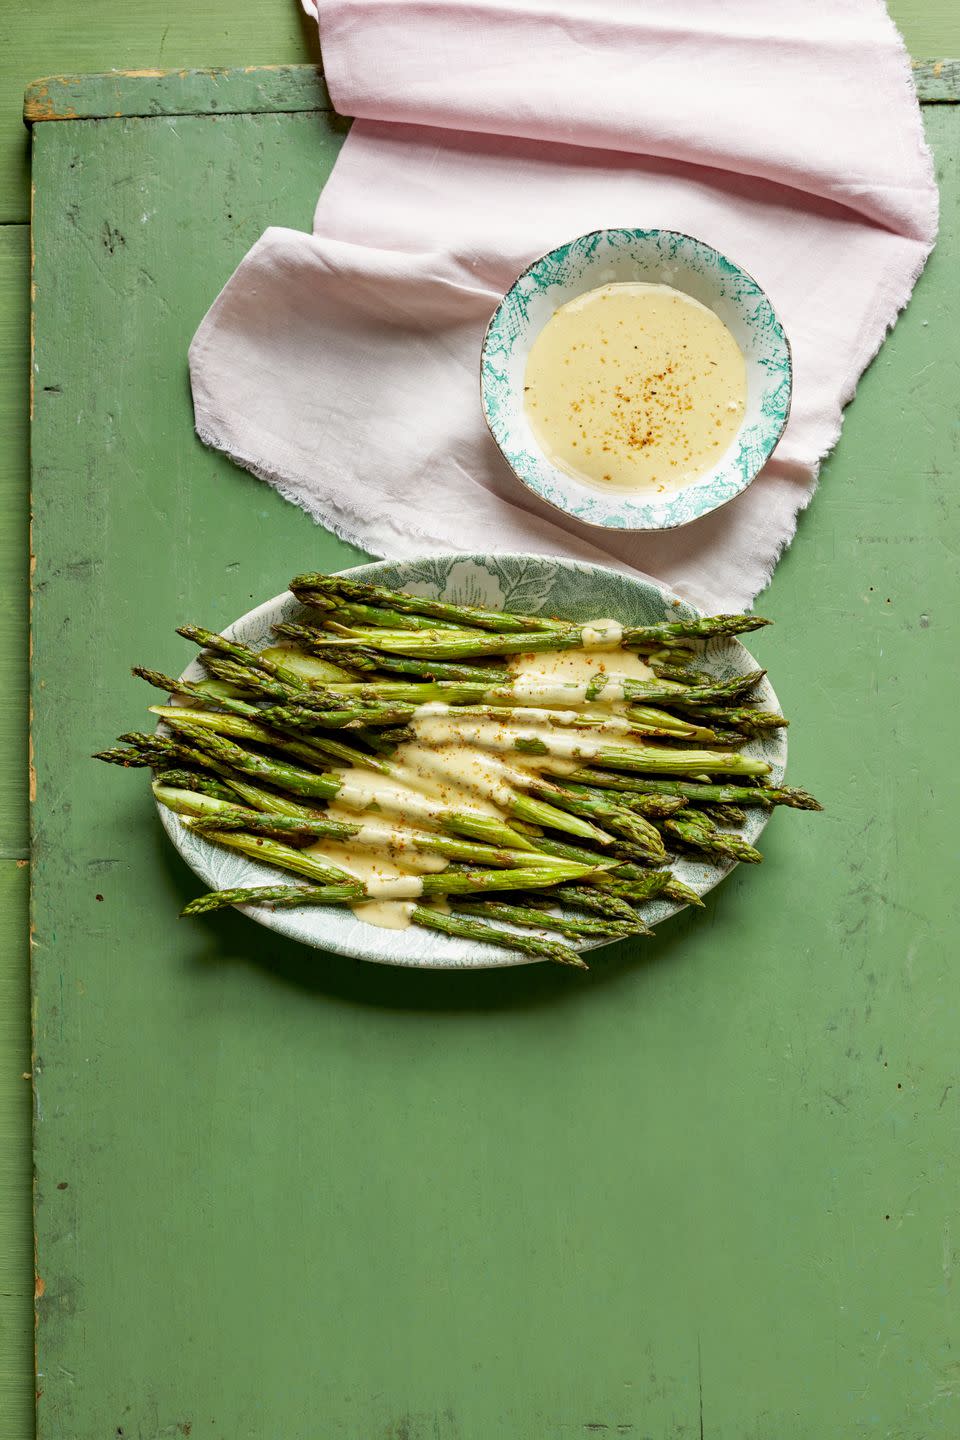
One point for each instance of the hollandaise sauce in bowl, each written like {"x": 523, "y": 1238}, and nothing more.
{"x": 636, "y": 379}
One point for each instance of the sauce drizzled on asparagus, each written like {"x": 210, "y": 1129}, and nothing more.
{"x": 442, "y": 765}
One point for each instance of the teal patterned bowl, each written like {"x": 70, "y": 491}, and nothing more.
{"x": 525, "y": 584}
{"x": 662, "y": 257}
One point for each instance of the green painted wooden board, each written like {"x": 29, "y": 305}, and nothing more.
{"x": 710, "y": 1190}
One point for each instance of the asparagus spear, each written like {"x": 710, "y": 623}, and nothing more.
{"x": 242, "y": 679}
{"x": 276, "y": 896}
{"x": 159, "y": 750}
{"x": 653, "y": 885}
{"x": 546, "y": 920}
{"x": 345, "y": 718}
{"x": 681, "y": 674}
{"x": 651, "y": 721}
{"x": 562, "y": 850}
{"x": 691, "y": 816}
{"x": 673, "y": 889}
{"x": 558, "y": 697}
{"x": 664, "y": 761}
{"x": 583, "y": 747}
{"x": 136, "y": 757}
{"x": 733, "y": 794}
{"x": 565, "y": 695}
{"x": 703, "y": 629}
{"x": 197, "y": 803}
{"x": 693, "y": 697}
{"x": 365, "y": 713}
{"x": 284, "y": 857}
{"x": 642, "y": 720}
{"x": 592, "y": 898}
{"x": 238, "y": 651}
{"x": 378, "y": 837}
{"x": 713, "y": 842}
{"x": 652, "y": 807}
{"x": 648, "y": 885}
{"x": 194, "y": 780}
{"x": 492, "y": 935}
{"x": 367, "y": 661}
{"x": 214, "y": 690}
{"x": 746, "y": 719}
{"x": 384, "y": 741}
{"x": 528, "y": 808}
{"x": 227, "y": 815}
{"x": 286, "y": 717}
{"x": 345, "y": 588}
{"x": 458, "y": 644}
{"x": 312, "y": 669}
{"x": 293, "y": 718}
{"x": 625, "y": 883}
{"x": 215, "y": 743}
{"x": 342, "y": 613}
{"x": 310, "y": 750}
{"x": 617, "y": 818}
{"x": 406, "y": 888}
{"x": 254, "y": 681}
{"x": 723, "y": 814}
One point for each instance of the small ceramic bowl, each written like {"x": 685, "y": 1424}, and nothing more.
{"x": 662, "y": 257}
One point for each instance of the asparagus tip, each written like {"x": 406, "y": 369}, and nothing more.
{"x": 802, "y": 799}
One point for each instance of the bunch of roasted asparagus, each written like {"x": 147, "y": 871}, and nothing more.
{"x": 597, "y": 786}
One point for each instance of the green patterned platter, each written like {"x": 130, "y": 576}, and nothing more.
{"x": 663, "y": 257}
{"x": 522, "y": 583}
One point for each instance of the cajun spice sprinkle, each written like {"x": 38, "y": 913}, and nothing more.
{"x": 635, "y": 385}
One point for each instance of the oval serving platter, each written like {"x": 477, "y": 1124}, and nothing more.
{"x": 529, "y": 584}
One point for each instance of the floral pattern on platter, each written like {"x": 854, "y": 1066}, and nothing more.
{"x": 660, "y": 257}
{"x": 523, "y": 583}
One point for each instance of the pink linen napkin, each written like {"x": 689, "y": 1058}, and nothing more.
{"x": 343, "y": 366}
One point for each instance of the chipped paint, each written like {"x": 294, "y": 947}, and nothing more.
{"x": 149, "y": 93}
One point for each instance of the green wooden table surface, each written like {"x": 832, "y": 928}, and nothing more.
{"x": 665, "y": 1197}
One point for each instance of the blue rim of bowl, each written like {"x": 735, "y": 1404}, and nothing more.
{"x": 663, "y": 520}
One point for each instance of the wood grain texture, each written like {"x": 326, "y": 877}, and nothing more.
{"x": 14, "y": 503}
{"x": 937, "y": 81}
{"x": 708, "y": 1192}
{"x": 55, "y": 39}
{"x": 250, "y": 89}
{"x": 16, "y": 1265}
{"x": 929, "y": 27}
{"x": 16, "y": 1248}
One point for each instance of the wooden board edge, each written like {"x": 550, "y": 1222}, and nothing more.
{"x": 937, "y": 81}
{"x": 121, "y": 94}
{"x": 278, "y": 88}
